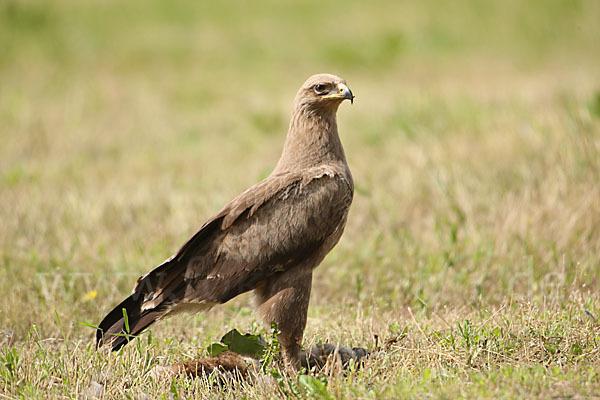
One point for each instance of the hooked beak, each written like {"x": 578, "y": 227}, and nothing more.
{"x": 345, "y": 92}
{"x": 342, "y": 92}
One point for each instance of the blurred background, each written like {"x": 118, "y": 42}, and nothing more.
{"x": 473, "y": 140}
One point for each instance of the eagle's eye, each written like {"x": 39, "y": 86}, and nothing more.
{"x": 320, "y": 88}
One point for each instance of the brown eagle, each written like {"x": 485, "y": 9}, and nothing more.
{"x": 268, "y": 239}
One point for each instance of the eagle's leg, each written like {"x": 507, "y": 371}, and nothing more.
{"x": 283, "y": 300}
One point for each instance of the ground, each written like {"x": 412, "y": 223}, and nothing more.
{"x": 473, "y": 240}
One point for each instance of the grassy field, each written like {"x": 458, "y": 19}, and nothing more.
{"x": 472, "y": 251}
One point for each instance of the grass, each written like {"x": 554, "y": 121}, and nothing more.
{"x": 471, "y": 251}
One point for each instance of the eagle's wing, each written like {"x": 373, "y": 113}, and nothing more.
{"x": 268, "y": 229}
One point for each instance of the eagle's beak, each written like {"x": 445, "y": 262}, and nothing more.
{"x": 342, "y": 92}
{"x": 345, "y": 92}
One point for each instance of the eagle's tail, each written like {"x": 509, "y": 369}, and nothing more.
{"x": 132, "y": 316}
{"x": 155, "y": 296}
{"x": 125, "y": 322}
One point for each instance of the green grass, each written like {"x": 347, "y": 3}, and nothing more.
{"x": 473, "y": 241}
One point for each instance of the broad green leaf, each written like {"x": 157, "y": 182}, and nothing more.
{"x": 252, "y": 345}
{"x": 214, "y": 349}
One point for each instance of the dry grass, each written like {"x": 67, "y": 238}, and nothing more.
{"x": 473, "y": 240}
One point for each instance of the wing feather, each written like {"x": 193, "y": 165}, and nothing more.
{"x": 268, "y": 229}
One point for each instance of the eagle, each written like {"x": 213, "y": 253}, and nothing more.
{"x": 267, "y": 240}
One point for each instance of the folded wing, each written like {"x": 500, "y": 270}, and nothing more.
{"x": 268, "y": 229}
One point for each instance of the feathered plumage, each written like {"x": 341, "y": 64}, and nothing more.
{"x": 268, "y": 239}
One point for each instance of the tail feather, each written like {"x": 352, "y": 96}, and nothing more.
{"x": 161, "y": 289}
{"x": 115, "y": 332}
